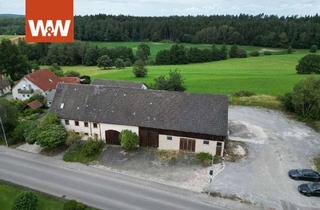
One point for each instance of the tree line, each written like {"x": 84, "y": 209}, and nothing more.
{"x": 259, "y": 30}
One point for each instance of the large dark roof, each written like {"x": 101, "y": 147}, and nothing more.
{"x": 194, "y": 113}
{"x": 120, "y": 84}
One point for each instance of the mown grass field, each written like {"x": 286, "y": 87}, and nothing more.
{"x": 9, "y": 192}
{"x": 272, "y": 75}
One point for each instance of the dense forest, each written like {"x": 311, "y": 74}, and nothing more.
{"x": 261, "y": 30}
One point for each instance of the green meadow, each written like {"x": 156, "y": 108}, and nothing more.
{"x": 272, "y": 75}
{"x": 155, "y": 47}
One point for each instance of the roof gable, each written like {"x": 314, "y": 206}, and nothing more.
{"x": 196, "y": 113}
{"x": 44, "y": 79}
{"x": 47, "y": 80}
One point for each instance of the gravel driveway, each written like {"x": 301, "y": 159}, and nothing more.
{"x": 276, "y": 145}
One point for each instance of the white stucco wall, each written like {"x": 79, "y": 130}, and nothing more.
{"x": 25, "y": 84}
{"x": 164, "y": 143}
{"x": 99, "y": 131}
{"x": 174, "y": 144}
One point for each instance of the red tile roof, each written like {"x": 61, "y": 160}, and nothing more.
{"x": 35, "y": 104}
{"x": 70, "y": 80}
{"x": 47, "y": 80}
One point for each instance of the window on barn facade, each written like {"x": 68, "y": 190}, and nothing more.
{"x": 206, "y": 142}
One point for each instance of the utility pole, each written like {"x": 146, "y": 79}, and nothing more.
{"x": 4, "y": 133}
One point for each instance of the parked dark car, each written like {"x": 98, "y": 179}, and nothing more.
{"x": 305, "y": 175}
{"x": 311, "y": 189}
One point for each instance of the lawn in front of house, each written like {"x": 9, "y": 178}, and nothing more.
{"x": 270, "y": 75}
{"x": 8, "y": 193}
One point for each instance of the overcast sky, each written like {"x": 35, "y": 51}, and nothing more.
{"x": 180, "y": 7}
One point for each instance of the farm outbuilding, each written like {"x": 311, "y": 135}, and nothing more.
{"x": 162, "y": 119}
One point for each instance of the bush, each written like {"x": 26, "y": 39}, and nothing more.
{"x": 139, "y": 69}
{"x": 72, "y": 74}
{"x": 52, "y": 137}
{"x": 254, "y": 54}
{"x": 244, "y": 93}
{"x": 49, "y": 119}
{"x": 309, "y": 64}
{"x": 78, "y": 152}
{"x": 305, "y": 99}
{"x": 204, "y": 158}
{"x": 129, "y": 140}
{"x": 91, "y": 147}
{"x": 314, "y": 48}
{"x": 25, "y": 201}
{"x": 85, "y": 79}
{"x": 287, "y": 102}
{"x": 73, "y": 205}
{"x": 290, "y": 50}
{"x": 104, "y": 62}
{"x": 143, "y": 52}
{"x": 267, "y": 53}
{"x": 236, "y": 52}
{"x": 56, "y": 69}
{"x": 8, "y": 114}
{"x": 127, "y": 63}
{"x": 31, "y": 136}
{"x": 23, "y": 130}
{"x": 174, "y": 82}
{"x": 72, "y": 138}
{"x": 119, "y": 63}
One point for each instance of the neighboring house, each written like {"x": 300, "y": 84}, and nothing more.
{"x": 43, "y": 82}
{"x": 120, "y": 84}
{"x": 5, "y": 86}
{"x": 162, "y": 119}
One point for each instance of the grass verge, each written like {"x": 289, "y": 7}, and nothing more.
{"x": 76, "y": 154}
{"x": 207, "y": 159}
{"x": 10, "y": 191}
{"x": 266, "y": 101}
{"x": 166, "y": 155}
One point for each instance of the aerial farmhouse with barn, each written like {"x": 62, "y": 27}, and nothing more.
{"x": 162, "y": 119}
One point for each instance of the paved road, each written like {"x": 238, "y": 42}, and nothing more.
{"x": 98, "y": 188}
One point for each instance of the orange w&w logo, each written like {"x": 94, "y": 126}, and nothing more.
{"x": 49, "y": 21}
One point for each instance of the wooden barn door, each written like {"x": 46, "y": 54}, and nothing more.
{"x": 148, "y": 138}
{"x": 113, "y": 137}
{"x": 188, "y": 145}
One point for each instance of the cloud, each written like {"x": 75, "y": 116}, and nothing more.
{"x": 181, "y": 7}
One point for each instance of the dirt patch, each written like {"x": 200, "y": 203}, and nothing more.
{"x": 230, "y": 197}
{"x": 55, "y": 152}
{"x": 173, "y": 168}
{"x": 236, "y": 151}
